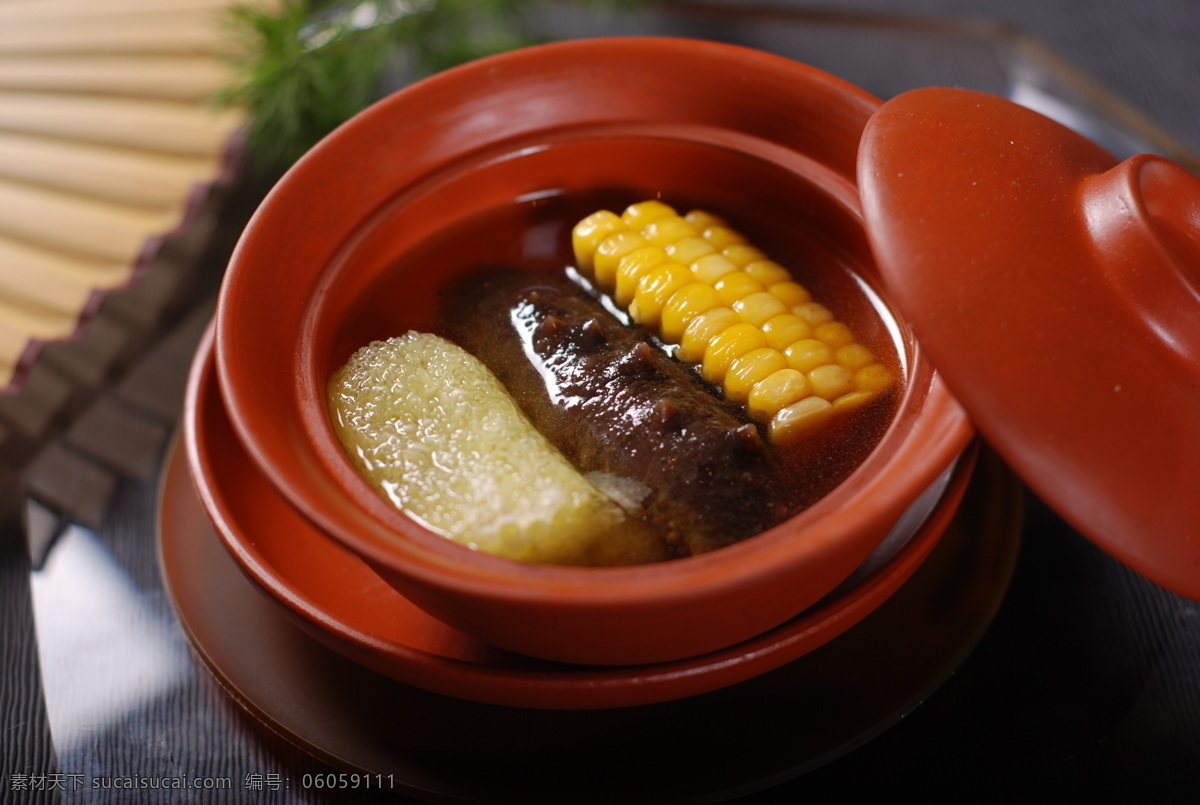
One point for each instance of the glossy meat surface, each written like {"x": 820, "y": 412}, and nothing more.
{"x": 644, "y": 425}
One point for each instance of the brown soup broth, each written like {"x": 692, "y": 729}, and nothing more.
{"x": 535, "y": 234}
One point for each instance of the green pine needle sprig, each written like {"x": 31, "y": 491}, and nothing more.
{"x": 305, "y": 68}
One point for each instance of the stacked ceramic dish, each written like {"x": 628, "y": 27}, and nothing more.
{"x": 108, "y": 142}
{"x": 316, "y": 276}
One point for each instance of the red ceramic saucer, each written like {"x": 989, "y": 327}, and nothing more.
{"x": 336, "y": 598}
{"x": 765, "y": 730}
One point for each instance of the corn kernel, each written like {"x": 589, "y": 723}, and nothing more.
{"x": 743, "y": 254}
{"x": 745, "y": 372}
{"x": 874, "y": 377}
{"x": 729, "y": 345}
{"x": 759, "y": 307}
{"x": 731, "y": 309}
{"x": 835, "y": 334}
{"x": 777, "y": 390}
{"x": 807, "y": 354}
{"x": 854, "y": 399}
{"x": 654, "y": 289}
{"x": 768, "y": 272}
{"x": 831, "y": 381}
{"x": 790, "y": 293}
{"x": 712, "y": 267}
{"x": 786, "y": 329}
{"x": 702, "y": 219}
{"x": 735, "y": 285}
{"x": 632, "y": 267}
{"x": 853, "y": 356}
{"x": 686, "y": 304}
{"x": 609, "y": 254}
{"x": 799, "y": 418}
{"x": 699, "y": 334}
{"x": 638, "y": 215}
{"x": 813, "y": 312}
{"x": 665, "y": 231}
{"x": 722, "y": 237}
{"x": 689, "y": 250}
{"x": 589, "y": 233}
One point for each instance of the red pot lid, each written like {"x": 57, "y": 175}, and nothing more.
{"x": 1058, "y": 292}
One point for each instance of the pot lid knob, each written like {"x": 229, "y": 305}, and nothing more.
{"x": 1058, "y": 292}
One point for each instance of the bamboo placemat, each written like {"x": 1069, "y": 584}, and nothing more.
{"x": 109, "y": 144}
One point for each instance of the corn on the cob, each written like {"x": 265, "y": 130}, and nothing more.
{"x": 733, "y": 311}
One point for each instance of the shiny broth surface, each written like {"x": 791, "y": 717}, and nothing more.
{"x": 534, "y": 235}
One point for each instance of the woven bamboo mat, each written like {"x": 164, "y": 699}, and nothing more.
{"x": 109, "y": 146}
{"x": 115, "y": 171}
